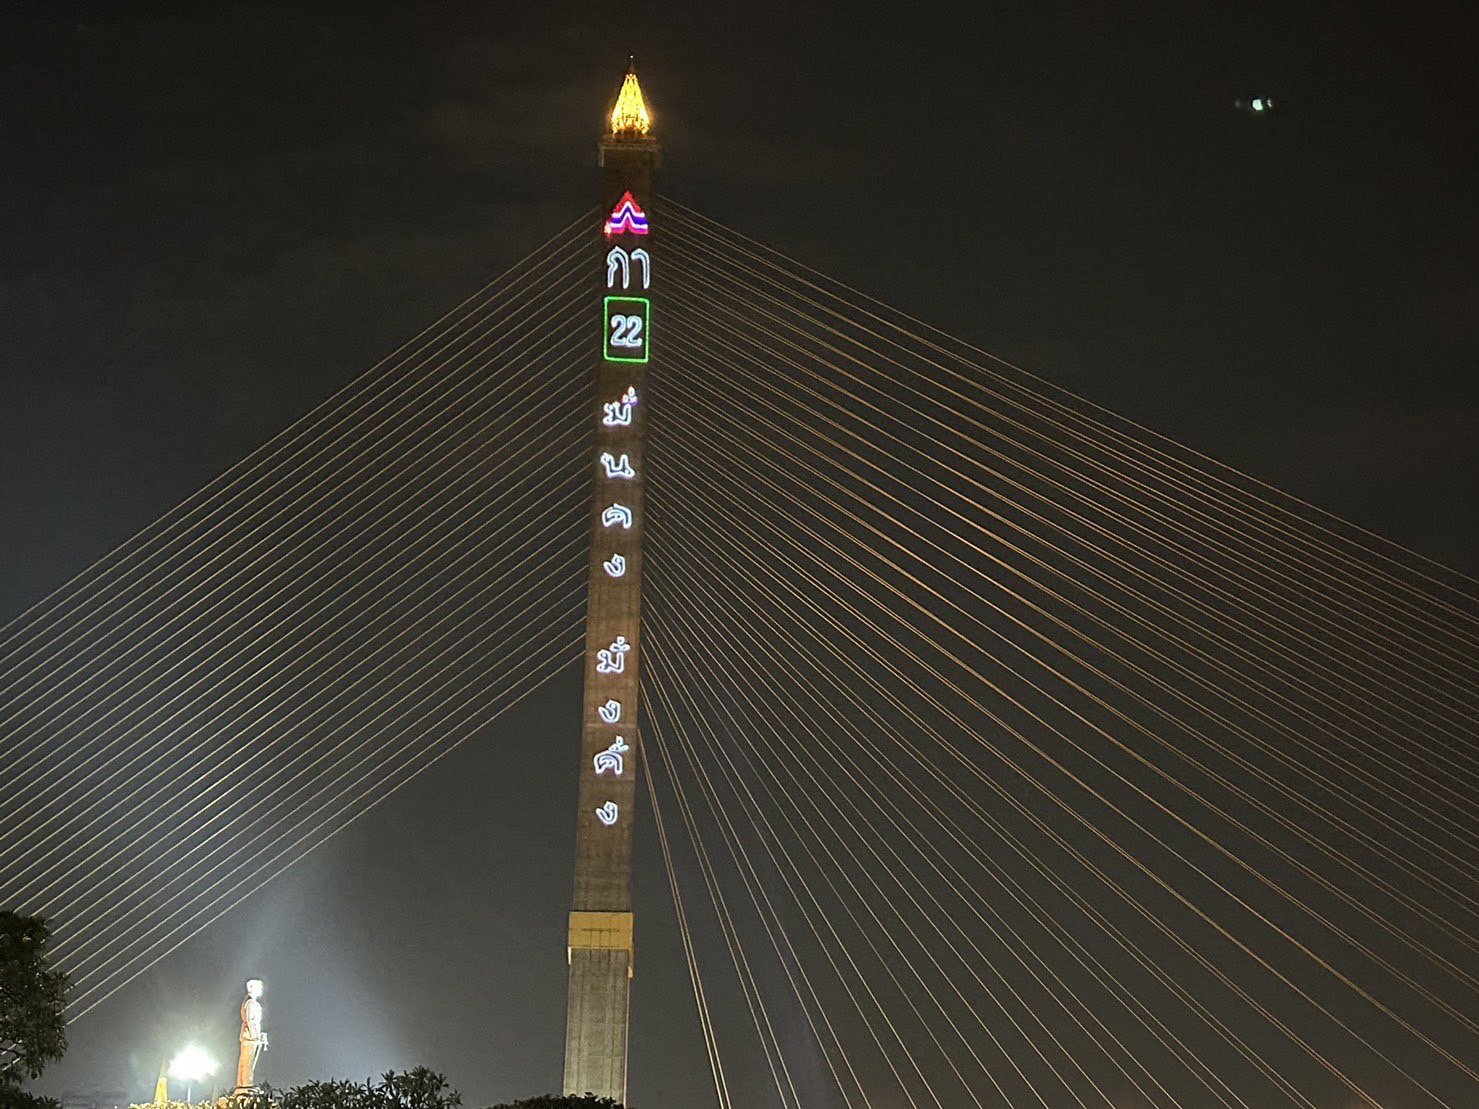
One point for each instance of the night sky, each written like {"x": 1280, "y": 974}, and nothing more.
{"x": 211, "y": 219}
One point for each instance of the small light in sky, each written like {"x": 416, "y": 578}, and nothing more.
{"x": 1256, "y": 105}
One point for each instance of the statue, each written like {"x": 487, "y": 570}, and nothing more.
{"x": 253, "y": 1041}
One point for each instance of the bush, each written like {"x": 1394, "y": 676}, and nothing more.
{"x": 550, "y": 1101}
{"x": 414, "y": 1089}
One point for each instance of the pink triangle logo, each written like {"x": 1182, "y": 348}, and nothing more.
{"x": 627, "y": 218}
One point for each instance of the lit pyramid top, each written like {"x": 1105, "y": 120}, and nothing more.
{"x": 630, "y": 118}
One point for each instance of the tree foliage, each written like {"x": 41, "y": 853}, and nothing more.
{"x": 419, "y": 1088}
{"x": 414, "y": 1089}
{"x": 554, "y": 1101}
{"x": 33, "y": 1001}
{"x": 13, "y": 1097}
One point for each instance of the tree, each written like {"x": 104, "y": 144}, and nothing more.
{"x": 419, "y": 1088}
{"x": 413, "y": 1089}
{"x": 33, "y": 1000}
{"x": 13, "y": 1097}
{"x": 585, "y": 1101}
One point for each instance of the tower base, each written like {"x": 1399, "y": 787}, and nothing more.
{"x": 600, "y": 994}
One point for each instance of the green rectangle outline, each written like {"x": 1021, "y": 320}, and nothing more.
{"x": 646, "y": 322}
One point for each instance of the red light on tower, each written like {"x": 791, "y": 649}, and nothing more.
{"x": 627, "y": 218}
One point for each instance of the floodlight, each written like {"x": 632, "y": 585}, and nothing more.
{"x": 192, "y": 1064}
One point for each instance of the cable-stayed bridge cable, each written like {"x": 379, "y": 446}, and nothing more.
{"x": 387, "y": 554}
{"x": 302, "y": 616}
{"x": 692, "y": 600}
{"x": 690, "y": 957}
{"x": 1263, "y": 639}
{"x": 698, "y": 419}
{"x": 384, "y": 443}
{"x": 784, "y": 315}
{"x": 756, "y": 589}
{"x": 764, "y": 1028}
{"x": 735, "y": 473}
{"x": 799, "y": 271}
{"x": 1072, "y": 574}
{"x": 112, "y": 564}
{"x": 1238, "y": 900}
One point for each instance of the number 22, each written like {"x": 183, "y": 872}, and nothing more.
{"x": 626, "y": 331}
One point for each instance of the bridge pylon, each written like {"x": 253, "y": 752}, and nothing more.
{"x": 601, "y": 921}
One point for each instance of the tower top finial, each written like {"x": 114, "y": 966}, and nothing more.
{"x": 630, "y": 117}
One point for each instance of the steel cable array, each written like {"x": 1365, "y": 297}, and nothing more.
{"x": 1009, "y": 753}
{"x": 1049, "y": 762}
{"x": 266, "y": 662}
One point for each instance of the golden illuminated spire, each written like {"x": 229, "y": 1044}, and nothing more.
{"x": 630, "y": 118}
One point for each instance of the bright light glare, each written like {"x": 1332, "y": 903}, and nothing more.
{"x": 191, "y": 1065}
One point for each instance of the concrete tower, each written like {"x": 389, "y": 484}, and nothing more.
{"x": 600, "y": 944}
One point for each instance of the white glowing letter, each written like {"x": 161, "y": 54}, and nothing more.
{"x": 611, "y": 758}
{"x": 616, "y": 514}
{"x": 608, "y": 813}
{"x": 617, "y": 467}
{"x": 619, "y": 412}
{"x": 613, "y": 659}
{"x": 610, "y": 712}
{"x": 615, "y": 566}
{"x": 617, "y": 259}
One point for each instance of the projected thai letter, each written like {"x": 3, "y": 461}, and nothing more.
{"x": 611, "y": 758}
{"x": 618, "y": 515}
{"x": 608, "y": 813}
{"x": 619, "y": 261}
{"x": 610, "y": 712}
{"x": 615, "y": 566}
{"x": 613, "y": 659}
{"x": 619, "y": 412}
{"x": 617, "y": 467}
